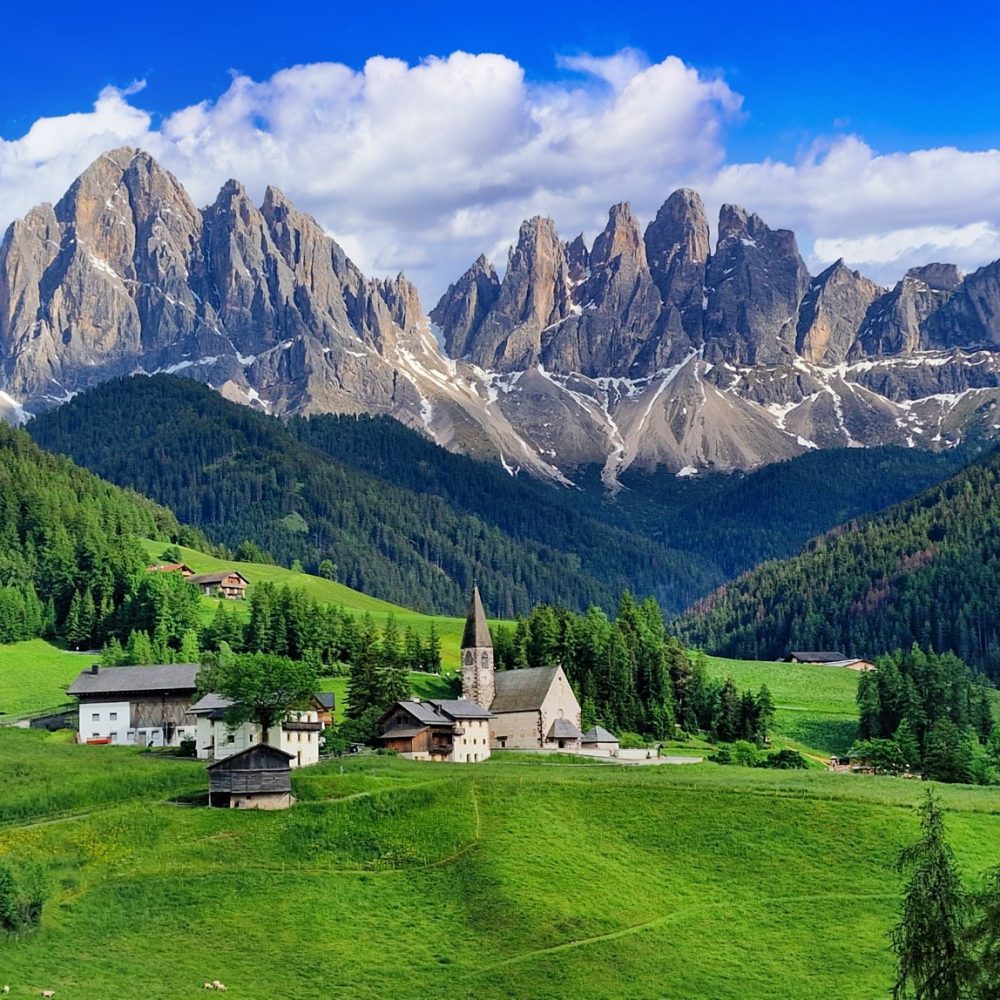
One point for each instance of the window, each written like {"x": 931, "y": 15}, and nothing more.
{"x": 230, "y": 737}
{"x": 113, "y": 716}
{"x": 96, "y": 717}
{"x": 95, "y": 736}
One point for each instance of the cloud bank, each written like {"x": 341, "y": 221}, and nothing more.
{"x": 422, "y": 167}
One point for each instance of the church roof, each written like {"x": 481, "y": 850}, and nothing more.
{"x": 563, "y": 729}
{"x": 522, "y": 690}
{"x": 477, "y": 632}
{"x": 598, "y": 734}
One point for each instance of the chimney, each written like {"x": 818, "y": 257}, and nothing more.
{"x": 95, "y": 669}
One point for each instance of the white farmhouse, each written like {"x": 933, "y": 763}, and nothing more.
{"x": 298, "y": 735}
{"x": 141, "y": 706}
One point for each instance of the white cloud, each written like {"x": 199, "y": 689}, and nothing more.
{"x": 423, "y": 167}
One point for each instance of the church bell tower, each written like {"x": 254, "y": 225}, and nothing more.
{"x": 478, "y": 682}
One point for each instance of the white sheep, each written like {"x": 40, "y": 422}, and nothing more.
{"x": 221, "y": 987}
{"x": 48, "y": 993}
{"x": 5, "y": 990}
{"x": 209, "y": 986}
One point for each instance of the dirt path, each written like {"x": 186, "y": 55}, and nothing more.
{"x": 680, "y": 913}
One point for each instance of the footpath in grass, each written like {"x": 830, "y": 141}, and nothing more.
{"x": 391, "y": 877}
{"x": 816, "y": 707}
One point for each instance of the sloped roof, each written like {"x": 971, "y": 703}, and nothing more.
{"x": 461, "y": 708}
{"x": 216, "y": 577}
{"x": 114, "y": 680}
{"x": 403, "y": 732}
{"x": 598, "y": 734}
{"x": 522, "y": 690}
{"x": 816, "y": 657}
{"x": 326, "y": 699}
{"x": 564, "y": 729}
{"x": 210, "y": 703}
{"x": 260, "y": 755}
{"x": 477, "y": 632}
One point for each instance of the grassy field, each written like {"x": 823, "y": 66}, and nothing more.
{"x": 507, "y": 879}
{"x": 34, "y": 676}
{"x": 816, "y": 709}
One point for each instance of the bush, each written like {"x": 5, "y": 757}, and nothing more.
{"x": 22, "y": 896}
{"x": 188, "y": 747}
{"x": 784, "y": 760}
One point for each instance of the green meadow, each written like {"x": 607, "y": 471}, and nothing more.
{"x": 513, "y": 878}
{"x": 816, "y": 709}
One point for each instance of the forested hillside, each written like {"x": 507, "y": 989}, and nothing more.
{"x": 241, "y": 475}
{"x": 728, "y": 522}
{"x": 68, "y": 541}
{"x": 927, "y": 570}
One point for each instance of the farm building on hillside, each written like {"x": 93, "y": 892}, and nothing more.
{"x": 797, "y": 656}
{"x": 181, "y": 568}
{"x": 298, "y": 735}
{"x": 259, "y": 777}
{"x": 450, "y": 730}
{"x": 230, "y": 584}
{"x": 143, "y": 706}
{"x": 830, "y": 659}
{"x": 533, "y": 709}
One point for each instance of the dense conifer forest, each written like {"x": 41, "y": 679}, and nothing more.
{"x": 240, "y": 475}
{"x": 393, "y": 514}
{"x": 927, "y": 571}
{"x": 70, "y": 560}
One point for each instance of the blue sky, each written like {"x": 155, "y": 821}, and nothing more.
{"x": 836, "y": 120}
{"x": 904, "y": 75}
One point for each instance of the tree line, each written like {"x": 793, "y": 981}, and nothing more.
{"x": 927, "y": 711}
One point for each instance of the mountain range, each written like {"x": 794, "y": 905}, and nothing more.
{"x": 647, "y": 348}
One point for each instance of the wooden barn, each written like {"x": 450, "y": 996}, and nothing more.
{"x": 259, "y": 777}
{"x": 230, "y": 584}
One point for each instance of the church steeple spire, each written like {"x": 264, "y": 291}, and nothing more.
{"x": 478, "y": 681}
{"x": 477, "y": 632}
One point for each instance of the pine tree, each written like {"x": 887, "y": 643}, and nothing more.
{"x": 984, "y": 937}
{"x": 929, "y": 943}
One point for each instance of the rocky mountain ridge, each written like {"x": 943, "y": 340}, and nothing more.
{"x": 645, "y": 348}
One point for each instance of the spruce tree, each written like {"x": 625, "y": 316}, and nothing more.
{"x": 932, "y": 961}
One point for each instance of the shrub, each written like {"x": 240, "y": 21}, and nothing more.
{"x": 22, "y": 896}
{"x": 784, "y": 760}
{"x": 188, "y": 747}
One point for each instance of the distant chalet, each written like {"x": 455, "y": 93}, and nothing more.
{"x": 181, "y": 568}
{"x": 230, "y": 584}
{"x": 829, "y": 659}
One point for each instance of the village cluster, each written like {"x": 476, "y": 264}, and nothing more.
{"x": 159, "y": 706}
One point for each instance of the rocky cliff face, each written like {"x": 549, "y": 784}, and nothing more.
{"x": 645, "y": 348}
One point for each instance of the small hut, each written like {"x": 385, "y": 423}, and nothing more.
{"x": 259, "y": 777}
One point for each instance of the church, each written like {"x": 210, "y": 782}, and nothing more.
{"x": 532, "y": 709}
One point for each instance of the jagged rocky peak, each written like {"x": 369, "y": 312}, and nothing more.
{"x": 534, "y": 294}
{"x": 680, "y": 228}
{"x": 832, "y": 313}
{"x": 756, "y": 281}
{"x": 678, "y": 249}
{"x": 894, "y": 323}
{"x": 969, "y": 316}
{"x": 621, "y": 238}
{"x": 578, "y": 260}
{"x": 464, "y": 306}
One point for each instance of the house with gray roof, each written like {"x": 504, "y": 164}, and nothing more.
{"x": 452, "y": 730}
{"x": 142, "y": 706}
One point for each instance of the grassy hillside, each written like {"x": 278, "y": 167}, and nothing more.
{"x": 816, "y": 709}
{"x": 927, "y": 570}
{"x": 330, "y": 592}
{"x": 394, "y": 878}
{"x": 34, "y": 676}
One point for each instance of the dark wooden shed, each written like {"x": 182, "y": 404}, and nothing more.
{"x": 259, "y": 777}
